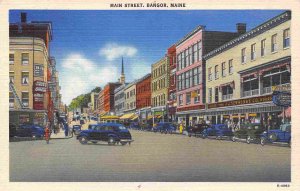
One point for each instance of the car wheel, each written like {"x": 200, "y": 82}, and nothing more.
{"x": 83, "y": 140}
{"x": 111, "y": 141}
{"x": 273, "y": 137}
{"x": 123, "y": 143}
{"x": 33, "y": 136}
{"x": 233, "y": 139}
{"x": 248, "y": 140}
{"x": 263, "y": 141}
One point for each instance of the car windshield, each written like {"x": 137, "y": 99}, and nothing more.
{"x": 121, "y": 127}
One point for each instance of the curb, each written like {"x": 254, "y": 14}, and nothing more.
{"x": 20, "y": 139}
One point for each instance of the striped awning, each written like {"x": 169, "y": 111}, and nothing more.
{"x": 109, "y": 117}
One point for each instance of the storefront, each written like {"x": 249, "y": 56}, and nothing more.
{"x": 28, "y": 116}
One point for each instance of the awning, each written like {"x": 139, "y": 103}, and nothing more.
{"x": 134, "y": 117}
{"x": 252, "y": 114}
{"x": 149, "y": 117}
{"x": 127, "y": 116}
{"x": 287, "y": 113}
{"x": 103, "y": 113}
{"x": 107, "y": 117}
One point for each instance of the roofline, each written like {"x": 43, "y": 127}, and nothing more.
{"x": 271, "y": 23}
{"x": 48, "y": 23}
{"x": 198, "y": 28}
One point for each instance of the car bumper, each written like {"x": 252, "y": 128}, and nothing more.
{"x": 126, "y": 140}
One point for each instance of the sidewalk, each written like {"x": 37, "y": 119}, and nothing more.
{"x": 61, "y": 135}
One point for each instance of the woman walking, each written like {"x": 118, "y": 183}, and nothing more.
{"x": 47, "y": 133}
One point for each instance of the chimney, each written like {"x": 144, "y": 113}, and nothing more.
{"x": 23, "y": 18}
{"x": 241, "y": 28}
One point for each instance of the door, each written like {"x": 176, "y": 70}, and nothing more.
{"x": 94, "y": 133}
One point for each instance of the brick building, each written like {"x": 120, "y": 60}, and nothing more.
{"x": 143, "y": 96}
{"x": 172, "y": 102}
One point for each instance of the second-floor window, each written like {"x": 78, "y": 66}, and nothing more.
{"x": 25, "y": 58}
{"x": 253, "y": 53}
{"x": 263, "y": 47}
{"x": 243, "y": 55}
{"x": 209, "y": 74}
{"x": 188, "y": 98}
{"x": 223, "y": 69}
{"x": 216, "y": 71}
{"x": 25, "y": 78}
{"x": 230, "y": 67}
{"x": 274, "y": 43}
{"x": 11, "y": 58}
{"x": 286, "y": 38}
{"x": 25, "y": 99}
{"x": 180, "y": 98}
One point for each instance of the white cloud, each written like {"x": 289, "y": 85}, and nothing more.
{"x": 112, "y": 51}
{"x": 80, "y": 75}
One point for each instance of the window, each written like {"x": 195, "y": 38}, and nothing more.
{"x": 195, "y": 53}
{"x": 187, "y": 79}
{"x": 250, "y": 86}
{"x": 197, "y": 96}
{"x": 188, "y": 98}
{"x": 209, "y": 74}
{"x": 253, "y": 54}
{"x": 11, "y": 100}
{"x": 199, "y": 50}
{"x": 274, "y": 43}
{"x": 230, "y": 66}
{"x": 182, "y": 60}
{"x": 186, "y": 57}
{"x": 11, "y": 77}
{"x": 25, "y": 99}
{"x": 216, "y": 72}
{"x": 209, "y": 95}
{"x": 216, "y": 94}
{"x": 199, "y": 75}
{"x": 179, "y": 82}
{"x": 25, "y": 58}
{"x": 191, "y": 78}
{"x": 223, "y": 69}
{"x": 227, "y": 92}
{"x": 243, "y": 55}
{"x": 180, "y": 98}
{"x": 25, "y": 78}
{"x": 275, "y": 77}
{"x": 11, "y": 58}
{"x": 178, "y": 61}
{"x": 183, "y": 80}
{"x": 195, "y": 76}
{"x": 190, "y": 56}
{"x": 263, "y": 47}
{"x": 286, "y": 38}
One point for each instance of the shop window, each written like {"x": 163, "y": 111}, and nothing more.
{"x": 274, "y": 43}
{"x": 286, "y": 38}
{"x": 250, "y": 86}
{"x": 275, "y": 77}
{"x": 188, "y": 98}
{"x": 11, "y": 58}
{"x": 25, "y": 78}
{"x": 263, "y": 47}
{"x": 25, "y": 58}
{"x": 25, "y": 99}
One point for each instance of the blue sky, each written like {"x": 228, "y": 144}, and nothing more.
{"x": 88, "y": 45}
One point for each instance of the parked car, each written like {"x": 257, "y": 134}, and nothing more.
{"x": 197, "y": 129}
{"x": 249, "y": 132}
{"x": 30, "y": 130}
{"x": 217, "y": 130}
{"x": 164, "y": 127}
{"x": 281, "y": 135}
{"x": 76, "y": 129}
{"x": 92, "y": 126}
{"x": 111, "y": 133}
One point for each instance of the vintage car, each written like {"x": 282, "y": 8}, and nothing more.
{"x": 111, "y": 133}
{"x": 164, "y": 127}
{"x": 30, "y": 130}
{"x": 76, "y": 129}
{"x": 281, "y": 135}
{"x": 217, "y": 130}
{"x": 197, "y": 129}
{"x": 249, "y": 132}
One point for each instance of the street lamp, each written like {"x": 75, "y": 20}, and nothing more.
{"x": 163, "y": 114}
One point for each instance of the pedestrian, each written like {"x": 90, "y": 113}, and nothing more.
{"x": 47, "y": 133}
{"x": 181, "y": 128}
{"x": 66, "y": 129}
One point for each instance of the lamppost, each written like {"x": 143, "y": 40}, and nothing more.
{"x": 163, "y": 114}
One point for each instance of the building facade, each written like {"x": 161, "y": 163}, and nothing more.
{"x": 130, "y": 98}
{"x": 159, "y": 88}
{"x": 100, "y": 103}
{"x": 109, "y": 97}
{"x": 120, "y": 99}
{"x": 190, "y": 71}
{"x": 143, "y": 97}
{"x": 94, "y": 97}
{"x": 243, "y": 73}
{"x": 172, "y": 101}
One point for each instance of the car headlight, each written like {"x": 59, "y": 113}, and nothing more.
{"x": 264, "y": 132}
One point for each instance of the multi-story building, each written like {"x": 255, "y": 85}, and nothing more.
{"x": 143, "y": 97}
{"x": 94, "y": 97}
{"x": 30, "y": 67}
{"x": 159, "y": 88}
{"x": 130, "y": 98}
{"x": 172, "y": 101}
{"x": 120, "y": 99}
{"x": 190, "y": 70}
{"x": 100, "y": 103}
{"x": 109, "y": 97}
{"x": 242, "y": 74}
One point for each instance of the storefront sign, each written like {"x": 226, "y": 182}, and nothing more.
{"x": 191, "y": 108}
{"x": 39, "y": 88}
{"x": 282, "y": 98}
{"x": 240, "y": 102}
{"x": 286, "y": 88}
{"x": 38, "y": 70}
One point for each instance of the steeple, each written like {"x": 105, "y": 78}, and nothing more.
{"x": 122, "y": 76}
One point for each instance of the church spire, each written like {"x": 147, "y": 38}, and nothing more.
{"x": 122, "y": 66}
{"x": 122, "y": 77}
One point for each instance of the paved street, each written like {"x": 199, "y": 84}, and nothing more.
{"x": 152, "y": 157}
